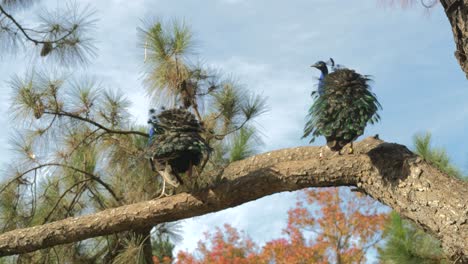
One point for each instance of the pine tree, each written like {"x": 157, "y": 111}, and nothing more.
{"x": 79, "y": 151}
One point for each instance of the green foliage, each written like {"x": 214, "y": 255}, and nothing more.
{"x": 436, "y": 156}
{"x": 163, "y": 248}
{"x": 254, "y": 106}
{"x": 61, "y": 35}
{"x": 408, "y": 244}
{"x": 132, "y": 251}
{"x": 9, "y": 206}
{"x": 79, "y": 151}
{"x": 165, "y": 47}
{"x": 234, "y": 106}
{"x": 227, "y": 101}
{"x": 243, "y": 144}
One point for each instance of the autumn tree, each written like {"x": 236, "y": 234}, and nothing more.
{"x": 226, "y": 245}
{"x": 327, "y": 226}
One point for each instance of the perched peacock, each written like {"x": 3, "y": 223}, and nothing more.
{"x": 343, "y": 106}
{"x": 175, "y": 144}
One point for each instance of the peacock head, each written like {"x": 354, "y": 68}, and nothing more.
{"x": 322, "y": 66}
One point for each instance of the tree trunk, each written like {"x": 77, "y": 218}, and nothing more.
{"x": 388, "y": 172}
{"x": 457, "y": 13}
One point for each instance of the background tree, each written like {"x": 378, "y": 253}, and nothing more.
{"x": 225, "y": 245}
{"x": 97, "y": 158}
{"x": 407, "y": 243}
{"x": 327, "y": 226}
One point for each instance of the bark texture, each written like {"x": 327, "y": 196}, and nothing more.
{"x": 388, "y": 172}
{"x": 457, "y": 13}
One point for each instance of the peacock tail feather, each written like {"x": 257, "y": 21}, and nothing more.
{"x": 178, "y": 140}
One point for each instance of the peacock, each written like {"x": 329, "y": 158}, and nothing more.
{"x": 175, "y": 144}
{"x": 342, "y": 108}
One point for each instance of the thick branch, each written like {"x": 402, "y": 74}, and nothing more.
{"x": 457, "y": 13}
{"x": 387, "y": 172}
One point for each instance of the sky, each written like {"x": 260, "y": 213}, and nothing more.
{"x": 269, "y": 47}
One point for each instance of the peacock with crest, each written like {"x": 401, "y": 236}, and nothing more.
{"x": 343, "y": 106}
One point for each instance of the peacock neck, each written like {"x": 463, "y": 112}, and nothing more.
{"x": 323, "y": 73}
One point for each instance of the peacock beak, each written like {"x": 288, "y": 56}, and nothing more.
{"x": 314, "y": 65}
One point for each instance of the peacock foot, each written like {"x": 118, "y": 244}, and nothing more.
{"x": 163, "y": 192}
{"x": 351, "y": 149}
{"x": 169, "y": 177}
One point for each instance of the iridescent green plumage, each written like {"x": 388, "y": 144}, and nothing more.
{"x": 178, "y": 142}
{"x": 344, "y": 109}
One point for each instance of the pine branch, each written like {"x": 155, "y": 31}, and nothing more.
{"x": 89, "y": 175}
{"x": 26, "y": 35}
{"x": 96, "y": 124}
{"x": 46, "y": 219}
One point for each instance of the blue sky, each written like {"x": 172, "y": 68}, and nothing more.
{"x": 269, "y": 46}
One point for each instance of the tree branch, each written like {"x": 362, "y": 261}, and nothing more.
{"x": 46, "y": 219}
{"x": 89, "y": 175}
{"x": 23, "y": 30}
{"x": 96, "y": 124}
{"x": 388, "y": 172}
{"x": 457, "y": 14}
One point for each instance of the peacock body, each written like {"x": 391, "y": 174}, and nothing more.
{"x": 177, "y": 141}
{"x": 343, "y": 107}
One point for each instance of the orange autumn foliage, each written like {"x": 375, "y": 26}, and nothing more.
{"x": 327, "y": 226}
{"x": 226, "y": 246}
{"x": 165, "y": 260}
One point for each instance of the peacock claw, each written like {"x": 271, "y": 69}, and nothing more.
{"x": 351, "y": 149}
{"x": 169, "y": 177}
{"x": 163, "y": 192}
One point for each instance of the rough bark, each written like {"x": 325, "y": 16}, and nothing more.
{"x": 457, "y": 13}
{"x": 388, "y": 172}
